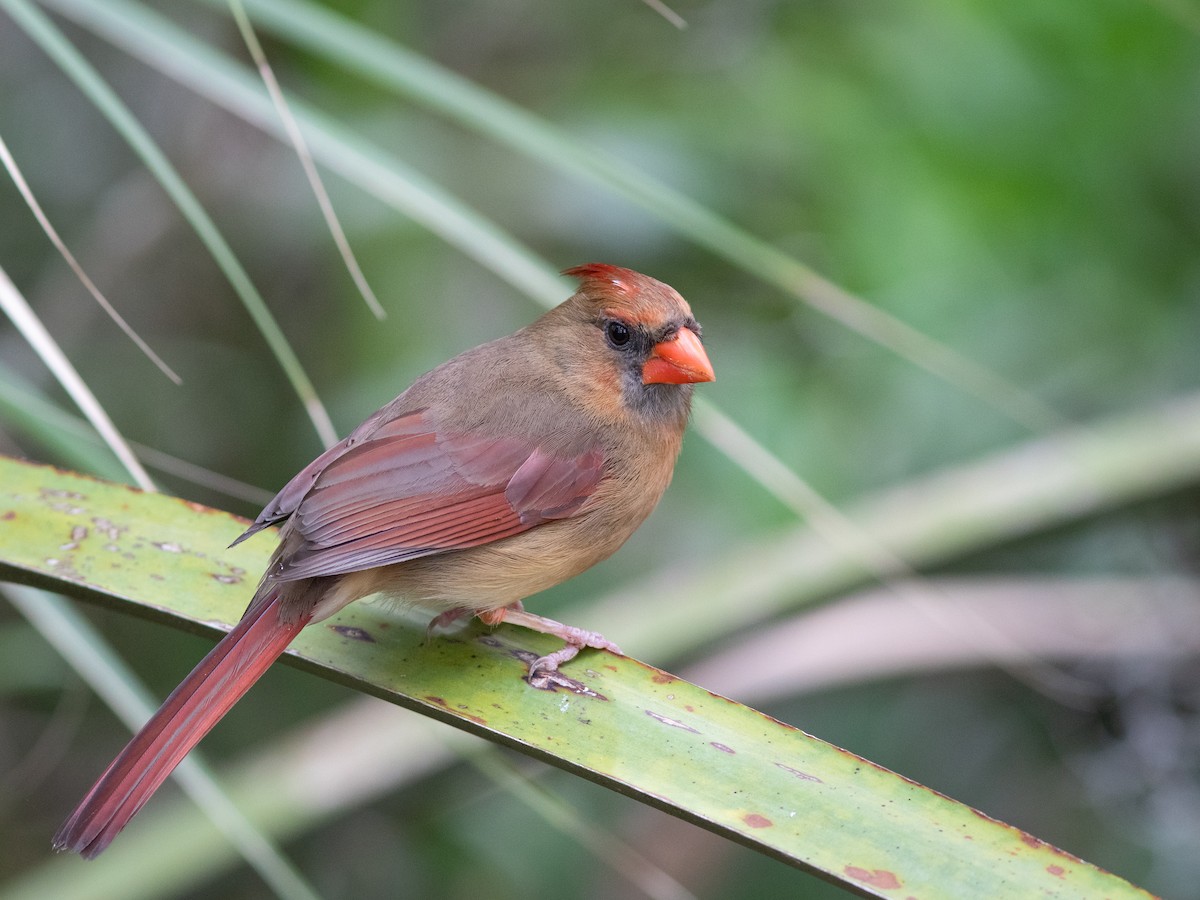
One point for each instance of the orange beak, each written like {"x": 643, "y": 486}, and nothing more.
{"x": 681, "y": 360}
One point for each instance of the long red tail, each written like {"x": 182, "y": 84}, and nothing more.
{"x": 193, "y": 708}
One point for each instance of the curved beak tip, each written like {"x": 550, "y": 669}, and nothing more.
{"x": 681, "y": 360}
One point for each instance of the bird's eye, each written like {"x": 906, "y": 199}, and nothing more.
{"x": 618, "y": 333}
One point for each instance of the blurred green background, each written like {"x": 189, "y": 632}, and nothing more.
{"x": 1019, "y": 181}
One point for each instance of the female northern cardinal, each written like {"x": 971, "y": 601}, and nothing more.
{"x": 502, "y": 472}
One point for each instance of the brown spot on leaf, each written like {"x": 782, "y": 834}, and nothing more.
{"x": 803, "y": 776}
{"x": 1056, "y": 871}
{"x": 879, "y": 878}
{"x": 109, "y": 529}
{"x": 722, "y": 747}
{"x": 460, "y": 711}
{"x": 666, "y": 720}
{"x": 8, "y": 516}
{"x": 354, "y": 633}
{"x": 54, "y": 492}
{"x": 1027, "y": 839}
{"x": 551, "y": 682}
{"x": 663, "y": 678}
{"x": 754, "y": 820}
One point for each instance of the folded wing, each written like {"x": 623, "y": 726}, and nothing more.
{"x": 406, "y": 490}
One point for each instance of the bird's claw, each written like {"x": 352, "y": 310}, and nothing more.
{"x": 545, "y": 676}
{"x": 543, "y": 671}
{"x": 552, "y": 680}
{"x": 441, "y": 620}
{"x": 548, "y": 664}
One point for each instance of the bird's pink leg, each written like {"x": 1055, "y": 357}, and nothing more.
{"x": 576, "y": 638}
{"x": 441, "y": 620}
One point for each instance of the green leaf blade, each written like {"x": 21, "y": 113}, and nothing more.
{"x": 637, "y": 730}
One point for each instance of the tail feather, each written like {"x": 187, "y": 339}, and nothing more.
{"x": 200, "y": 701}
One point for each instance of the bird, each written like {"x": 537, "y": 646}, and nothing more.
{"x": 506, "y": 470}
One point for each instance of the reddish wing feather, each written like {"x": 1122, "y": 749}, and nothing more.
{"x": 550, "y": 487}
{"x": 286, "y": 501}
{"x": 406, "y": 490}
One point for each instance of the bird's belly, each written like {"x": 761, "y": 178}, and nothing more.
{"x": 501, "y": 573}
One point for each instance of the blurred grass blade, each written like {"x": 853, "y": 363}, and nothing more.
{"x": 31, "y": 201}
{"x": 71, "y": 439}
{"x": 1041, "y": 484}
{"x": 667, "y": 13}
{"x": 346, "y": 759}
{"x": 158, "y": 43}
{"x": 873, "y": 634}
{"x": 306, "y": 161}
{"x": 619, "y": 855}
{"x": 359, "y": 50}
{"x": 1182, "y": 11}
{"x": 31, "y": 328}
{"x": 307, "y": 778}
{"x": 52, "y": 42}
{"x": 148, "y": 36}
{"x": 880, "y": 563}
{"x": 638, "y": 730}
{"x": 78, "y": 643}
{"x": 87, "y": 651}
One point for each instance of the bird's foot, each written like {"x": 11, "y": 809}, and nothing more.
{"x": 543, "y": 671}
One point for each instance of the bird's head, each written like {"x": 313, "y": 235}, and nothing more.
{"x": 637, "y": 340}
